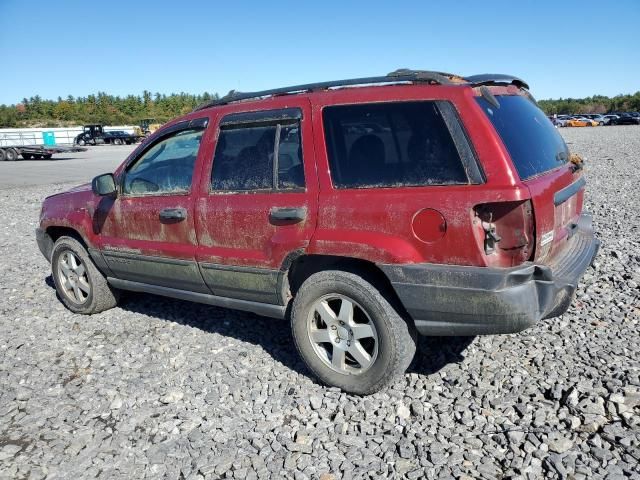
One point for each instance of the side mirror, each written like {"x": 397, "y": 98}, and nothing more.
{"x": 104, "y": 185}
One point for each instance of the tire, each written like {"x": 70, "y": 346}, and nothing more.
{"x": 601, "y": 124}
{"x": 47, "y": 156}
{"x": 11, "y": 155}
{"x": 3, "y": 155}
{"x": 117, "y": 141}
{"x": 71, "y": 282}
{"x": 389, "y": 348}
{"x": 80, "y": 142}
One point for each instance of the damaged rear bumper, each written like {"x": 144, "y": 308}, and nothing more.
{"x": 455, "y": 300}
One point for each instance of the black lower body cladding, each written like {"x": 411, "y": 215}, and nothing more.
{"x": 452, "y": 300}
{"x": 45, "y": 244}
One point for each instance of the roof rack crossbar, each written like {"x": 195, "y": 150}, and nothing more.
{"x": 394, "y": 77}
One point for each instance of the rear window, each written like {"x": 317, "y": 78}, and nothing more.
{"x": 533, "y": 142}
{"x": 391, "y": 144}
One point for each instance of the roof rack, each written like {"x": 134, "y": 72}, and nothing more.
{"x": 402, "y": 75}
{"x": 394, "y": 77}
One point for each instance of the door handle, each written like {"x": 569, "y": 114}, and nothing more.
{"x": 287, "y": 215}
{"x": 173, "y": 214}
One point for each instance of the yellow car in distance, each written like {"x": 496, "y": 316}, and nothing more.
{"x": 581, "y": 122}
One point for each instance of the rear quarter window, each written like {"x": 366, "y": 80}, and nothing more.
{"x": 534, "y": 144}
{"x": 391, "y": 144}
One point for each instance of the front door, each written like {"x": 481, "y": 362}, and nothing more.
{"x": 259, "y": 202}
{"x": 149, "y": 232}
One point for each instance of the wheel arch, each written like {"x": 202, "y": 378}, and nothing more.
{"x": 54, "y": 232}
{"x": 299, "y": 266}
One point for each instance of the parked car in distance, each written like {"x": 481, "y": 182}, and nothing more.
{"x": 611, "y": 119}
{"x": 596, "y": 117}
{"x": 560, "y": 120}
{"x": 415, "y": 202}
{"x": 628, "y": 119}
{"x": 581, "y": 122}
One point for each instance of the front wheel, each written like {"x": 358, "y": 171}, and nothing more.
{"x": 80, "y": 285}
{"x": 349, "y": 334}
{"x": 81, "y": 142}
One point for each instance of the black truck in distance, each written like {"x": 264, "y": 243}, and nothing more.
{"x": 95, "y": 134}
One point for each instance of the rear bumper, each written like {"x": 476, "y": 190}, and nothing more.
{"x": 454, "y": 300}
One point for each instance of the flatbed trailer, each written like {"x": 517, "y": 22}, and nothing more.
{"x": 14, "y": 146}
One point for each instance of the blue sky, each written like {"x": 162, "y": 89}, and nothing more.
{"x": 562, "y": 48}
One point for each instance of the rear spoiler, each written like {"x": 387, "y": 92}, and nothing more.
{"x": 496, "y": 79}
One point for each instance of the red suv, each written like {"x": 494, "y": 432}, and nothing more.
{"x": 366, "y": 210}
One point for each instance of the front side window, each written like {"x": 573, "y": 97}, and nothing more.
{"x": 258, "y": 157}
{"x": 167, "y": 167}
{"x": 391, "y": 144}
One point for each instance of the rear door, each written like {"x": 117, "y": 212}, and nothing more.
{"x": 541, "y": 158}
{"x": 147, "y": 232}
{"x": 259, "y": 202}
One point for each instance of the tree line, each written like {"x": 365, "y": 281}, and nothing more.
{"x": 129, "y": 110}
{"x": 594, "y": 104}
{"x": 99, "y": 108}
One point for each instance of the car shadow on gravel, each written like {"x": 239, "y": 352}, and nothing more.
{"x": 435, "y": 353}
{"x": 273, "y": 335}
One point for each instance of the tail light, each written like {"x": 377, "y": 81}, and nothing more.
{"x": 506, "y": 230}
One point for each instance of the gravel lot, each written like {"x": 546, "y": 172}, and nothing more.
{"x": 161, "y": 388}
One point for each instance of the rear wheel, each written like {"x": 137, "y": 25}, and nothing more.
{"x": 80, "y": 285}
{"x": 11, "y": 155}
{"x": 81, "y": 142}
{"x": 3, "y": 155}
{"x": 348, "y": 333}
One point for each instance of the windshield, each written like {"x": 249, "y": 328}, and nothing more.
{"x": 533, "y": 142}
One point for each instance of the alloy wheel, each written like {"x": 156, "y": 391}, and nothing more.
{"x": 73, "y": 278}
{"x": 342, "y": 334}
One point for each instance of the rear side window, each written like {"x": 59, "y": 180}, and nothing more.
{"x": 252, "y": 157}
{"x": 534, "y": 144}
{"x": 391, "y": 144}
{"x": 244, "y": 159}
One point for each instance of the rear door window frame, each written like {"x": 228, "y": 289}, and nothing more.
{"x": 278, "y": 118}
